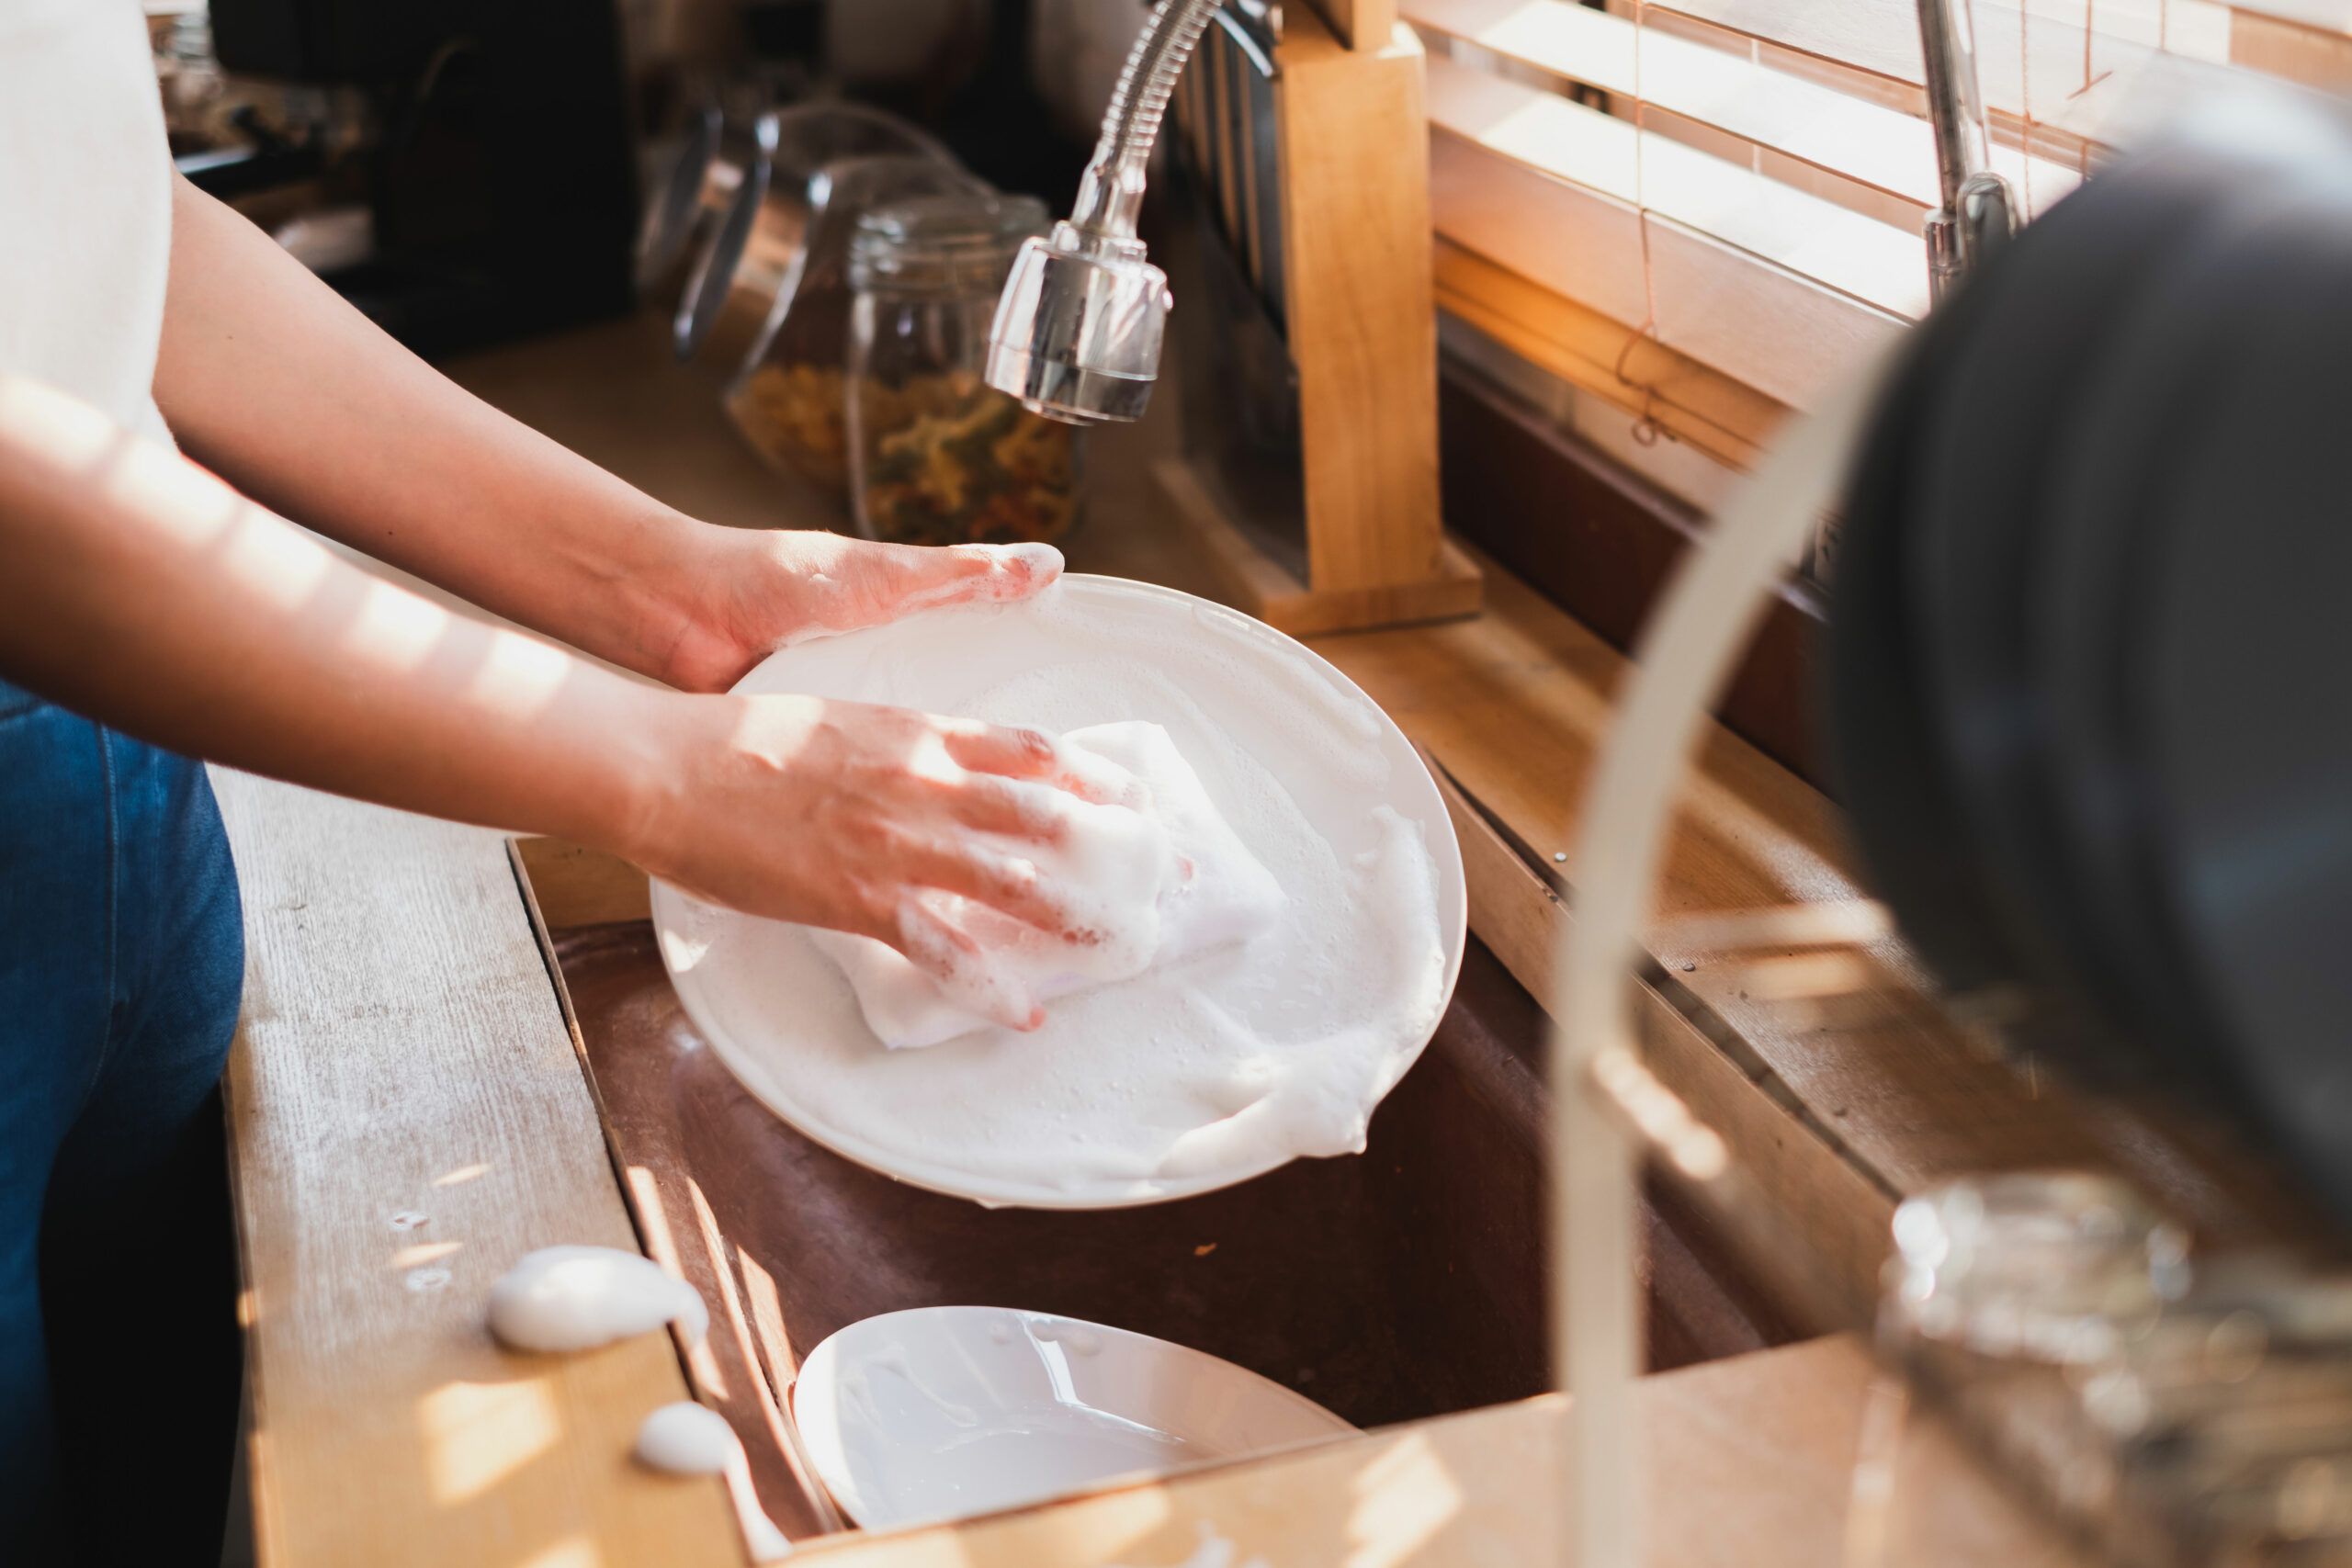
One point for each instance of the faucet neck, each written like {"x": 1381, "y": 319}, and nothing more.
{"x": 1110, "y": 199}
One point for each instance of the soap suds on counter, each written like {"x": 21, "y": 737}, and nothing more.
{"x": 687, "y": 1439}
{"x": 1234, "y": 1058}
{"x": 1153, "y": 886}
{"x": 576, "y": 1297}
{"x": 768, "y": 1544}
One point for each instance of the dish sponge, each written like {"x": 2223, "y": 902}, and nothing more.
{"x": 1158, "y": 885}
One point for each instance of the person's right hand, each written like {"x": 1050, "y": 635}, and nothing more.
{"x": 859, "y": 818}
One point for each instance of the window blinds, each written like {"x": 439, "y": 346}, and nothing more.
{"x": 1703, "y": 210}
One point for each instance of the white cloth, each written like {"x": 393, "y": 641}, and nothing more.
{"x": 1160, "y": 885}
{"x": 86, "y": 205}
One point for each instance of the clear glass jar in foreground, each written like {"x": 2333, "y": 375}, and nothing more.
{"x": 937, "y": 455}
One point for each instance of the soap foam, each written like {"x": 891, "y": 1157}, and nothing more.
{"x": 1153, "y": 886}
{"x": 1239, "y": 1058}
{"x": 576, "y": 1297}
{"x": 686, "y": 1438}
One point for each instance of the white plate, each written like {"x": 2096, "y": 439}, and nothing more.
{"x": 943, "y": 1413}
{"x": 1306, "y": 741}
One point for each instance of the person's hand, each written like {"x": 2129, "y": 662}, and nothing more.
{"x": 860, "y": 818}
{"x": 737, "y": 595}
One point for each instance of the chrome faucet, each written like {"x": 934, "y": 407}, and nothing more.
{"x": 1078, "y": 333}
{"x": 1977, "y": 213}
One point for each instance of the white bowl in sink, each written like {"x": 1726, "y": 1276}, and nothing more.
{"x": 943, "y": 1413}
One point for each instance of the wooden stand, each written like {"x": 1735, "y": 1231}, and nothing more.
{"x": 1257, "y": 582}
{"x": 1362, "y": 331}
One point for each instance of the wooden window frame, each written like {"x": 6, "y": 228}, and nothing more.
{"x": 1600, "y": 541}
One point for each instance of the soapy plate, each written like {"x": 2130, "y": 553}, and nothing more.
{"x": 1304, "y": 738}
{"x": 946, "y": 1413}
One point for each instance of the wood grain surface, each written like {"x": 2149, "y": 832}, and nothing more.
{"x": 1362, "y": 323}
{"x": 408, "y": 1118}
{"x": 1361, "y": 24}
{"x": 1253, "y": 581}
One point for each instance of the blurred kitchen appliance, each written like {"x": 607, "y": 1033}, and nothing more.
{"x": 1314, "y": 491}
{"x": 2068, "y": 690}
{"x": 497, "y": 152}
{"x": 2087, "y": 600}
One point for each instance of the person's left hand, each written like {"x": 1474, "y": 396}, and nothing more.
{"x": 739, "y": 594}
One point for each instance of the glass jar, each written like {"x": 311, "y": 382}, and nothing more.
{"x": 2053, "y": 1266}
{"x": 790, "y": 398}
{"x": 937, "y": 455}
{"x": 754, "y": 198}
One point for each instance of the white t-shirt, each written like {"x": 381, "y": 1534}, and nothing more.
{"x": 85, "y": 203}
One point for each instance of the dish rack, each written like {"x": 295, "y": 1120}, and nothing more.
{"x": 2168, "y": 1408}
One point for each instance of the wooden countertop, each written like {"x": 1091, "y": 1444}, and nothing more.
{"x": 408, "y": 1115}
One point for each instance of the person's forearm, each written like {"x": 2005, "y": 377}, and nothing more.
{"x": 139, "y": 589}
{"x": 271, "y": 379}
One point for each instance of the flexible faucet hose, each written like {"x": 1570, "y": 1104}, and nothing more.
{"x": 1112, "y": 194}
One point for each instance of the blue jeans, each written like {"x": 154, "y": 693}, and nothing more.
{"x": 121, "y": 961}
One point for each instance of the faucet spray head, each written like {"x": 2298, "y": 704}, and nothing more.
{"x": 1077, "y": 333}
{"x": 1078, "y": 330}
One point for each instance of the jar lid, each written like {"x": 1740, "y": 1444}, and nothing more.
{"x": 963, "y": 240}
